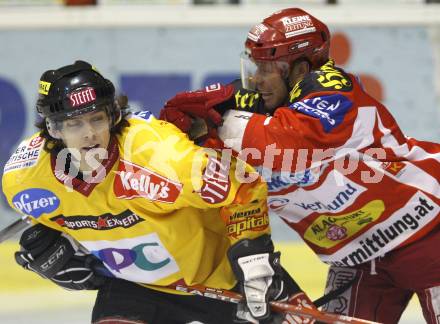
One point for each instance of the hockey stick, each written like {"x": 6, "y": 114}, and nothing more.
{"x": 14, "y": 228}
{"x": 220, "y": 294}
{"x": 233, "y": 297}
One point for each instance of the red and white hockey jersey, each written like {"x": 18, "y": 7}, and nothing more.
{"x": 340, "y": 172}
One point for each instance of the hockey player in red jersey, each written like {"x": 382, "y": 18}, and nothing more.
{"x": 340, "y": 172}
{"x": 132, "y": 194}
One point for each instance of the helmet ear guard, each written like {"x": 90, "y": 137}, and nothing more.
{"x": 50, "y": 129}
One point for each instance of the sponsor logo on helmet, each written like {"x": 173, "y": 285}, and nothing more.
{"x": 256, "y": 32}
{"x": 216, "y": 182}
{"x": 297, "y": 25}
{"x": 330, "y": 109}
{"x": 107, "y": 221}
{"x": 134, "y": 181}
{"x": 298, "y": 46}
{"x": 35, "y": 202}
{"x": 82, "y": 97}
{"x": 26, "y": 155}
{"x": 44, "y": 87}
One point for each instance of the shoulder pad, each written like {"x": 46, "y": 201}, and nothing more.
{"x": 327, "y": 78}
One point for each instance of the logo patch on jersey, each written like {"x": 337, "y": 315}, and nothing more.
{"x": 329, "y": 230}
{"x": 248, "y": 220}
{"x": 397, "y": 228}
{"x": 331, "y": 78}
{"x": 334, "y": 195}
{"x": 26, "y": 155}
{"x": 82, "y": 97}
{"x": 103, "y": 222}
{"x": 277, "y": 204}
{"x": 35, "y": 201}
{"x": 134, "y": 181}
{"x": 330, "y": 109}
{"x": 140, "y": 259}
{"x": 283, "y": 180}
{"x": 145, "y": 114}
{"x": 216, "y": 182}
{"x": 395, "y": 168}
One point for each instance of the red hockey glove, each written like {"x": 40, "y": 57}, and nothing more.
{"x": 186, "y": 106}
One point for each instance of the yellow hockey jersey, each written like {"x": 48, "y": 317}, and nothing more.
{"x": 158, "y": 210}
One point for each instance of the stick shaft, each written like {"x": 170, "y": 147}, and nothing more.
{"x": 14, "y": 228}
{"x": 233, "y": 297}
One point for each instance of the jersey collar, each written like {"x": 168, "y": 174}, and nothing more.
{"x": 86, "y": 187}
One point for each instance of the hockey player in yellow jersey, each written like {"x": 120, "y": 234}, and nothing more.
{"x": 134, "y": 195}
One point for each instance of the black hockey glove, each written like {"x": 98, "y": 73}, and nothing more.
{"x": 56, "y": 256}
{"x": 260, "y": 277}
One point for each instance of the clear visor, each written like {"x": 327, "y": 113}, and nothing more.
{"x": 248, "y": 70}
{"x": 252, "y": 71}
{"x": 74, "y": 121}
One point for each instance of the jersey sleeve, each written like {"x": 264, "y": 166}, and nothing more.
{"x": 219, "y": 180}
{"x": 20, "y": 169}
{"x": 243, "y": 100}
{"x": 204, "y": 179}
{"x": 318, "y": 117}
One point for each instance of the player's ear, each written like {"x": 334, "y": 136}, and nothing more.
{"x": 298, "y": 70}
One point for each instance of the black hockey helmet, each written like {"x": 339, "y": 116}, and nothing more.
{"x": 73, "y": 90}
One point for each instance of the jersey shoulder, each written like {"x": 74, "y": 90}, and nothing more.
{"x": 27, "y": 173}
{"x": 156, "y": 145}
{"x": 25, "y": 159}
{"x": 328, "y": 78}
{"x": 145, "y": 130}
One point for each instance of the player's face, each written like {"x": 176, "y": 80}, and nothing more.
{"x": 87, "y": 134}
{"x": 271, "y": 85}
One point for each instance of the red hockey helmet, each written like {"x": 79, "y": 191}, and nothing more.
{"x": 286, "y": 36}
